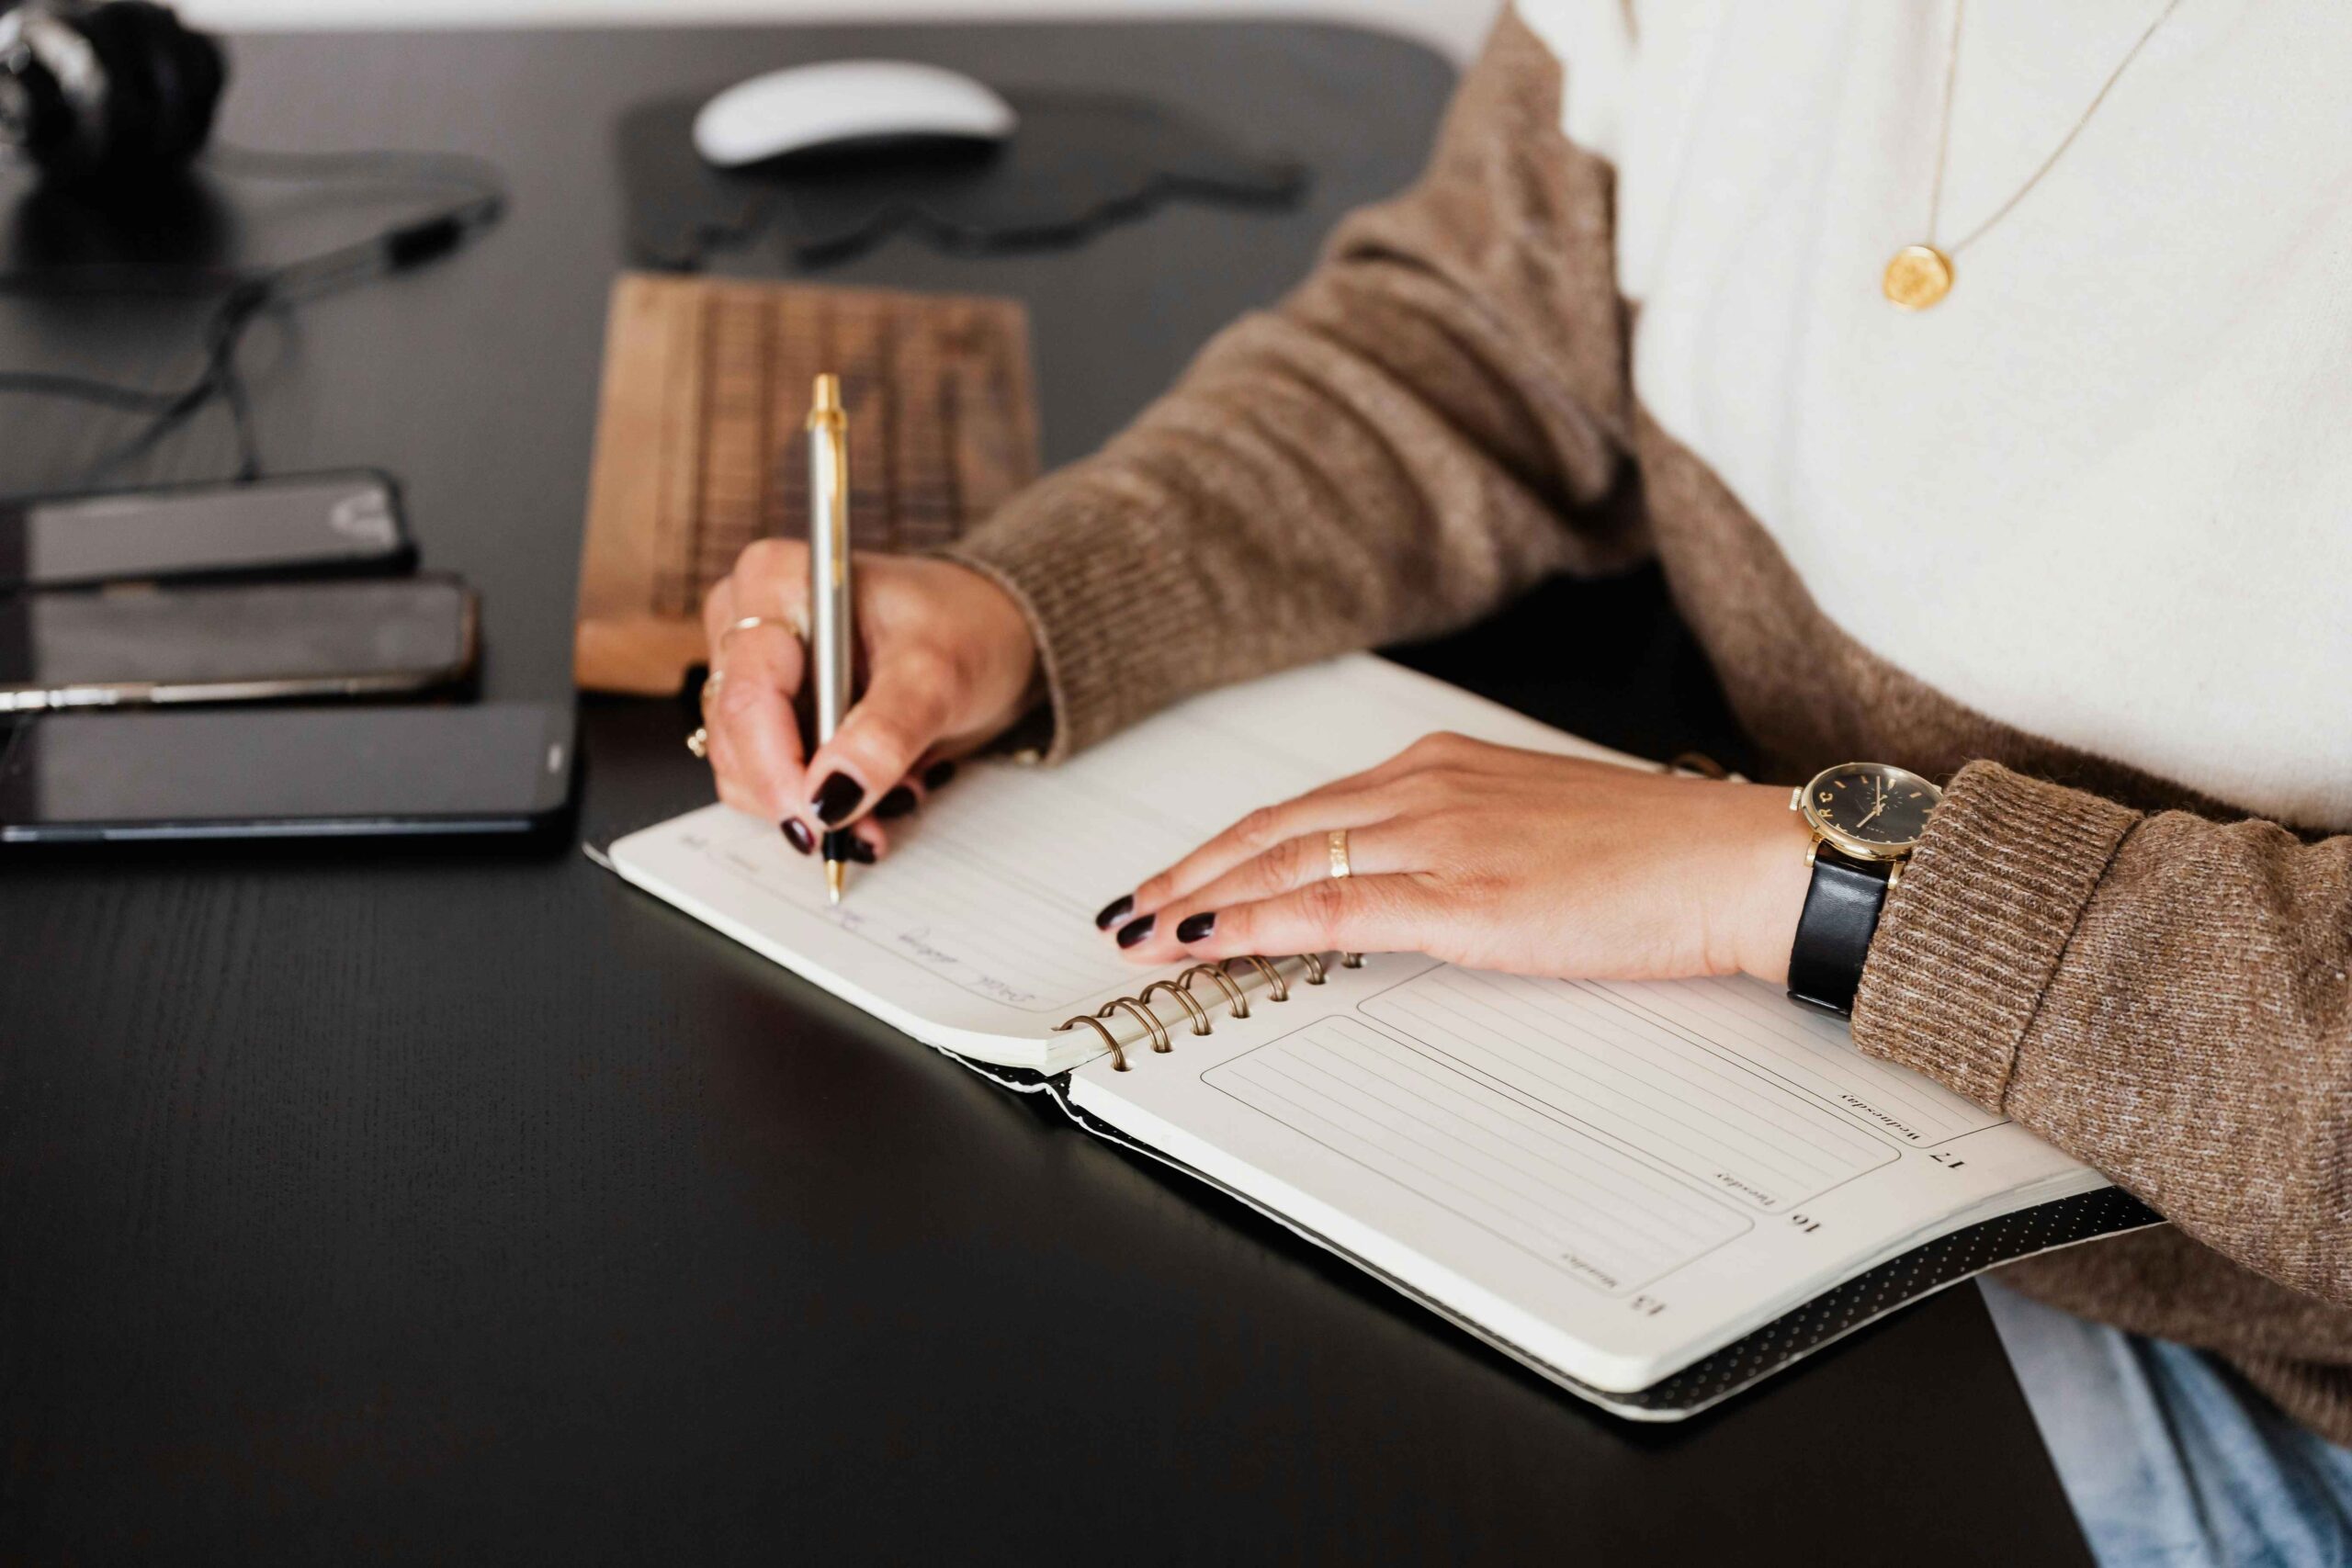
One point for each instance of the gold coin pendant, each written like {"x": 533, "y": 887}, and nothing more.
{"x": 1918, "y": 277}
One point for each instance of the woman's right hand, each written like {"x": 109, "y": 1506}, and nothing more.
{"x": 950, "y": 663}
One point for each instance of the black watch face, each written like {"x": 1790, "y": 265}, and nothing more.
{"x": 1872, "y": 804}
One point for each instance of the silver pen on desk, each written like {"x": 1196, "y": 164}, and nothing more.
{"x": 832, "y": 643}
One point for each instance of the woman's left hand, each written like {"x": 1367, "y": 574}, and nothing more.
{"x": 1499, "y": 859}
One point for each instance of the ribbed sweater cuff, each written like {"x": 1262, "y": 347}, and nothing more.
{"x": 1970, "y": 938}
{"x": 1113, "y": 603}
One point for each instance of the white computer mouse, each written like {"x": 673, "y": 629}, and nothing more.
{"x": 808, "y": 108}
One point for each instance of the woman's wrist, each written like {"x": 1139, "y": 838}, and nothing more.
{"x": 1001, "y": 642}
{"x": 1772, "y": 885}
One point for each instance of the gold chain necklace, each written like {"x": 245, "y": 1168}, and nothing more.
{"x": 1920, "y": 275}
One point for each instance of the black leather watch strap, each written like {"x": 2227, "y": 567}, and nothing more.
{"x": 1841, "y": 910}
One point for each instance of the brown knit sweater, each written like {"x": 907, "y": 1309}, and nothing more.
{"x": 1441, "y": 414}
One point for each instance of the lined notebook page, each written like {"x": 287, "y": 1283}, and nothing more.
{"x": 978, "y": 933}
{"x": 1624, "y": 1176}
{"x": 1412, "y": 1115}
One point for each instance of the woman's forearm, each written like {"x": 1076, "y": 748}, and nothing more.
{"x": 1424, "y": 427}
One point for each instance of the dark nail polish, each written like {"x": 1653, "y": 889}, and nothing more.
{"x": 797, "y": 834}
{"x": 936, "y": 775}
{"x": 1192, "y": 927}
{"x": 1135, "y": 931}
{"x": 898, "y": 803}
{"x": 1111, "y": 913}
{"x": 843, "y": 845}
{"x": 837, "y": 798}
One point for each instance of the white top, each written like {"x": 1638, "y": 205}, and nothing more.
{"x": 2103, "y": 491}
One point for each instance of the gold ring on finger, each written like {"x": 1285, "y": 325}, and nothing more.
{"x": 746, "y": 622}
{"x": 1340, "y": 869}
{"x": 699, "y": 741}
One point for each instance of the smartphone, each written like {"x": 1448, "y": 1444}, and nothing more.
{"x": 235, "y": 643}
{"x": 313, "y": 523}
{"x": 341, "y": 771}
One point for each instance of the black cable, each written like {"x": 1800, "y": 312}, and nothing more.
{"x": 106, "y": 394}
{"x": 477, "y": 208}
{"x": 247, "y": 293}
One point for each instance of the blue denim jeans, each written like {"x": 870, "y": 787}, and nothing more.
{"x": 2169, "y": 1459}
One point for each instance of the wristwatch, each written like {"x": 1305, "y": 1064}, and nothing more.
{"x": 1866, "y": 819}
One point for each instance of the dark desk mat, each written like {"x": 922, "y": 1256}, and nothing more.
{"x": 1078, "y": 163}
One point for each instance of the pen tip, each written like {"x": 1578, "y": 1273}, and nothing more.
{"x": 835, "y": 871}
{"x": 827, "y": 394}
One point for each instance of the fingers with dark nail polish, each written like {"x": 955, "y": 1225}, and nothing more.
{"x": 1192, "y": 927}
{"x": 936, "y": 775}
{"x": 1135, "y": 931}
{"x": 1111, "y": 913}
{"x": 797, "y": 834}
{"x": 898, "y": 803}
{"x": 837, "y": 798}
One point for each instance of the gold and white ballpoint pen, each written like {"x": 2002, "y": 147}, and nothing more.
{"x": 831, "y": 640}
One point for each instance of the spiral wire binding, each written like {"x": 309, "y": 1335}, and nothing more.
{"x": 1200, "y": 1015}
{"x": 1223, "y": 983}
{"x": 1181, "y": 988}
{"x": 1150, "y": 1019}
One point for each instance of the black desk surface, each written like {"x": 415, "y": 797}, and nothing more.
{"x": 426, "y": 1206}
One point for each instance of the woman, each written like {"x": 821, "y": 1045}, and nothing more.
{"x": 1978, "y": 382}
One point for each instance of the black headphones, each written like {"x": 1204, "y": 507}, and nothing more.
{"x": 111, "y": 100}
{"x": 107, "y": 90}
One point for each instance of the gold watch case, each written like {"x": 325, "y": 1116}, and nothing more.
{"x": 1867, "y": 810}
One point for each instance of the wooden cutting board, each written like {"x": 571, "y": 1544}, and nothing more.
{"x": 699, "y": 448}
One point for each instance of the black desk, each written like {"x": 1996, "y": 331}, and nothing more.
{"x": 403, "y": 1204}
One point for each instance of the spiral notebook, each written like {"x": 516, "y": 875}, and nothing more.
{"x": 1654, "y": 1194}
